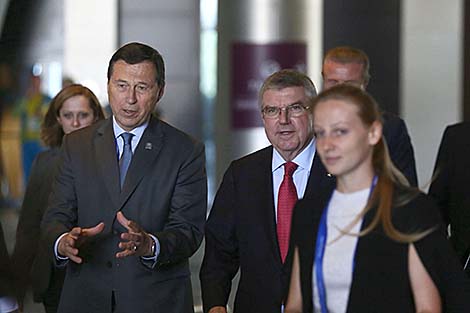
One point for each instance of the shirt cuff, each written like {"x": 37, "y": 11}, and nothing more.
{"x": 60, "y": 260}
{"x": 151, "y": 261}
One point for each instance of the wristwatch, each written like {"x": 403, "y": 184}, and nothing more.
{"x": 152, "y": 248}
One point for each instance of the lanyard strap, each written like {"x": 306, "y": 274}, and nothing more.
{"x": 320, "y": 251}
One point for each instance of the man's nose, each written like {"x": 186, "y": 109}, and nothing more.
{"x": 284, "y": 116}
{"x": 131, "y": 96}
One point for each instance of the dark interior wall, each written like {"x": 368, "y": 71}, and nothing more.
{"x": 373, "y": 26}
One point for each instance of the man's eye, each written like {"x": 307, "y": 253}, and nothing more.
{"x": 296, "y": 108}
{"x": 271, "y": 110}
{"x": 142, "y": 88}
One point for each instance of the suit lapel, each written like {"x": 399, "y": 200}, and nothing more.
{"x": 319, "y": 180}
{"x": 145, "y": 154}
{"x": 267, "y": 201}
{"x": 106, "y": 155}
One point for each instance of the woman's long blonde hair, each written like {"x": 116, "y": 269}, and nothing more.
{"x": 389, "y": 178}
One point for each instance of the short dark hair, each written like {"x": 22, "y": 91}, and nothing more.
{"x": 136, "y": 52}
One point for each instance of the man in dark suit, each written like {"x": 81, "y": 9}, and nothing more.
{"x": 128, "y": 204}
{"x": 245, "y": 229}
{"x": 350, "y": 65}
{"x": 450, "y": 185}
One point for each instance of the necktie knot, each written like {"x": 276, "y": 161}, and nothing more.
{"x": 127, "y": 138}
{"x": 289, "y": 168}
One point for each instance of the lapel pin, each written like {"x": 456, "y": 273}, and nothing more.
{"x": 148, "y": 146}
{"x": 329, "y": 174}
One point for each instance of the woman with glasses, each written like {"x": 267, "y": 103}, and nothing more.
{"x": 373, "y": 244}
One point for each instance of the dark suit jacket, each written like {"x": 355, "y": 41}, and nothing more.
{"x": 451, "y": 184}
{"x": 165, "y": 192}
{"x": 241, "y": 234}
{"x": 399, "y": 146}
{"x": 30, "y": 261}
{"x": 381, "y": 281}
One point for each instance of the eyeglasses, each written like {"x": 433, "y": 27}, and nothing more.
{"x": 293, "y": 110}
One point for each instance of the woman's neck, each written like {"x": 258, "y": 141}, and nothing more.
{"x": 355, "y": 181}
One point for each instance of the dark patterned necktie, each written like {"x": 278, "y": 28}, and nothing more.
{"x": 126, "y": 156}
{"x": 286, "y": 201}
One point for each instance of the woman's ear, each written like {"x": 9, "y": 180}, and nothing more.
{"x": 375, "y": 133}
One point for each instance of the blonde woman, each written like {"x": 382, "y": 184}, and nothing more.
{"x": 373, "y": 244}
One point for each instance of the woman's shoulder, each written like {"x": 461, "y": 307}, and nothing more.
{"x": 46, "y": 158}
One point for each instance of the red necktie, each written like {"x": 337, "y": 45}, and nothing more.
{"x": 285, "y": 204}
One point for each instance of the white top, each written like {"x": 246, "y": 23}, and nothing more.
{"x": 304, "y": 161}
{"x": 339, "y": 251}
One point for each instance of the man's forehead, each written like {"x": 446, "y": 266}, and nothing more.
{"x": 282, "y": 92}
{"x": 352, "y": 69}
{"x": 144, "y": 71}
{"x": 343, "y": 66}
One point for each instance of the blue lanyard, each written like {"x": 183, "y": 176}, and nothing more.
{"x": 320, "y": 252}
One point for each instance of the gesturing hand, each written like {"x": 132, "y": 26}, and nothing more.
{"x": 136, "y": 241}
{"x": 69, "y": 244}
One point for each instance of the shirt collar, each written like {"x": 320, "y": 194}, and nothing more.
{"x": 138, "y": 131}
{"x": 304, "y": 159}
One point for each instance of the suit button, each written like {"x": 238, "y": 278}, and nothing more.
{"x": 115, "y": 232}
{"x": 109, "y": 264}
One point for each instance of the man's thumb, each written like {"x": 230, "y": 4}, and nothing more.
{"x": 93, "y": 231}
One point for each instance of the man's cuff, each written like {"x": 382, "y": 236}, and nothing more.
{"x": 60, "y": 260}
{"x": 151, "y": 261}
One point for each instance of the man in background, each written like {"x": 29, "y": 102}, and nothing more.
{"x": 350, "y": 65}
{"x": 450, "y": 186}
